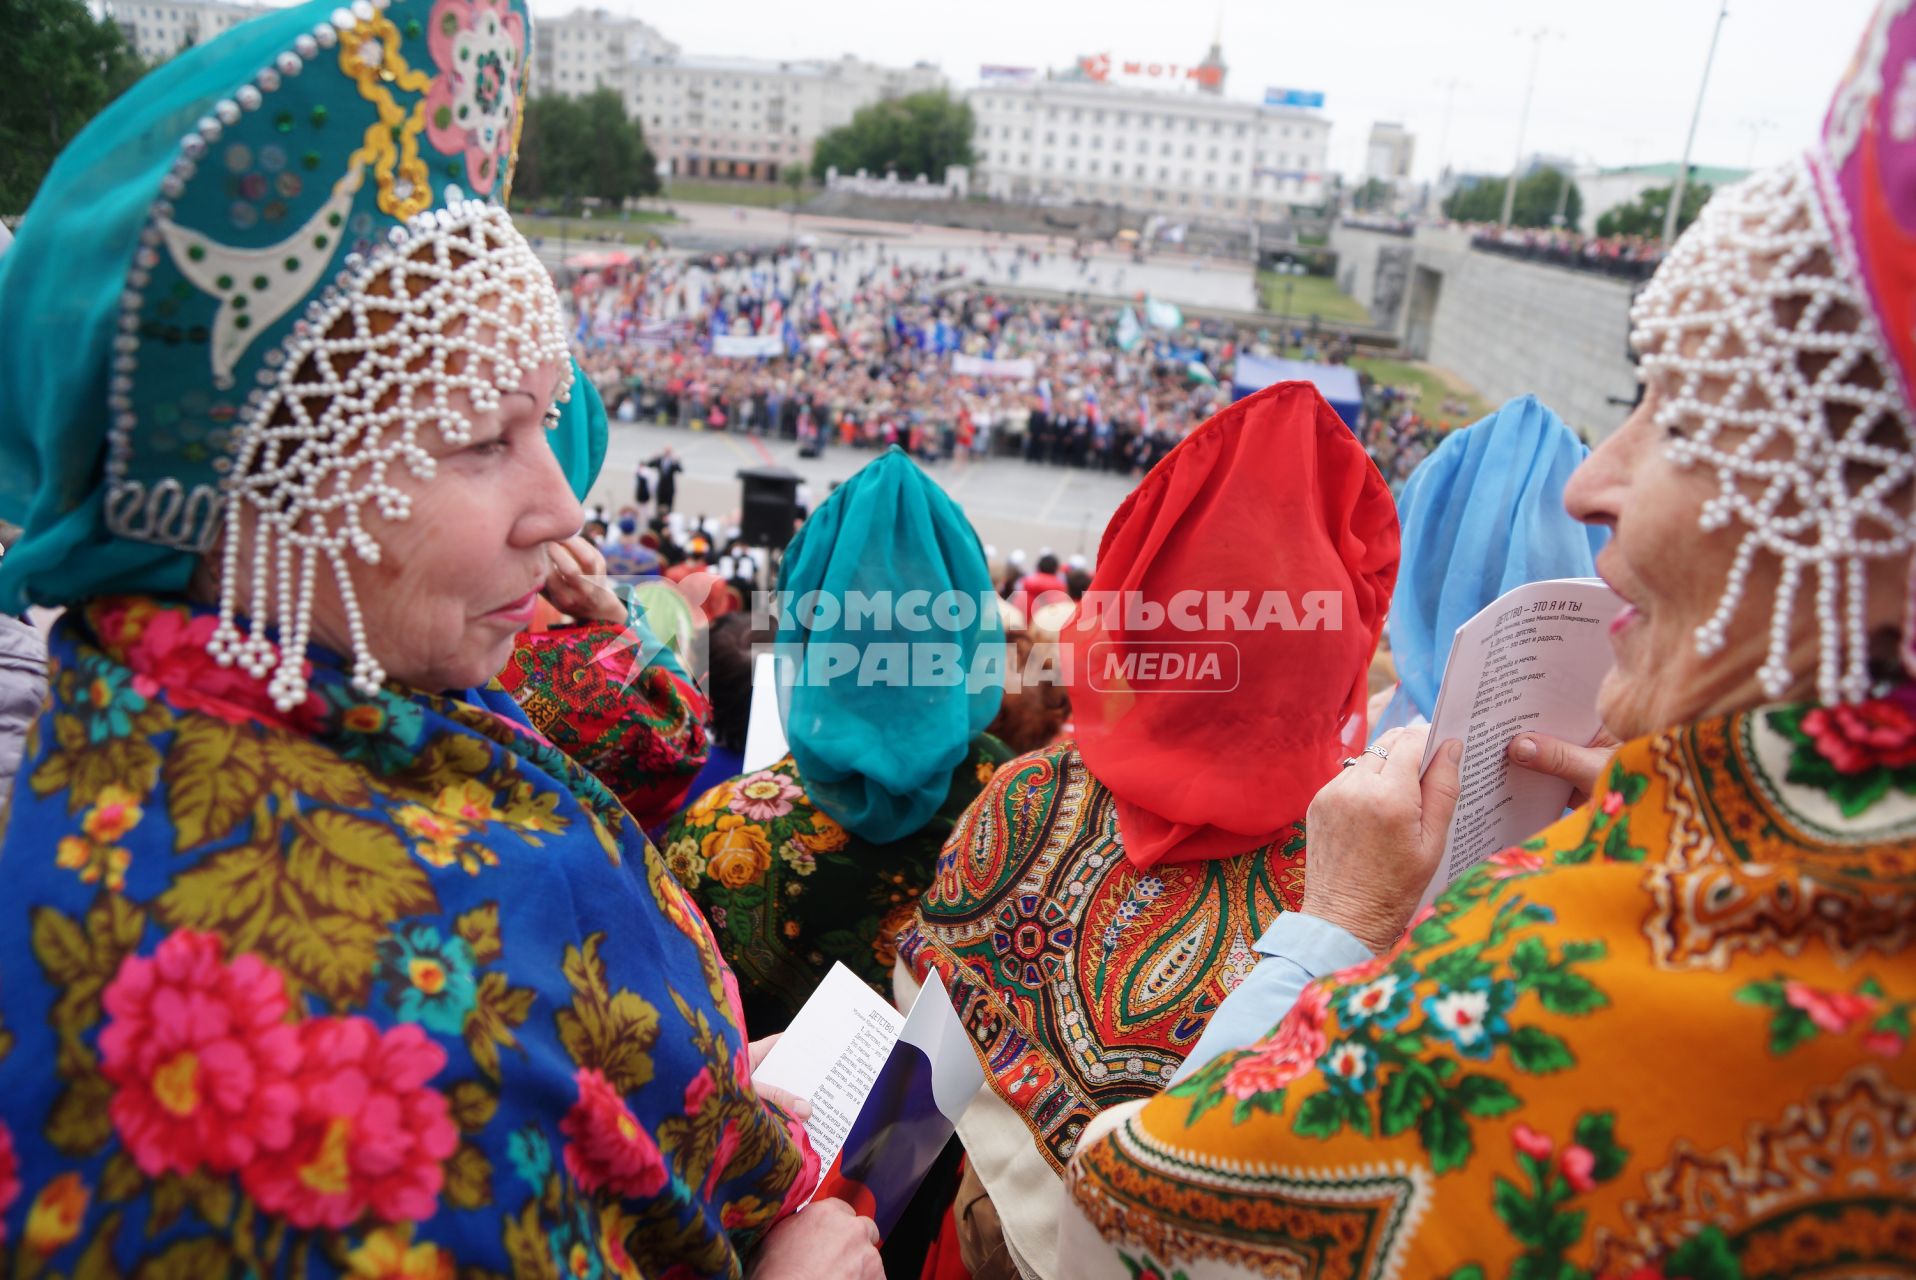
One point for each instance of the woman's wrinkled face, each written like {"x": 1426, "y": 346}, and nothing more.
{"x": 1671, "y": 575}
{"x": 458, "y": 579}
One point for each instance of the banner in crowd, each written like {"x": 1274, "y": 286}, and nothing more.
{"x": 1129, "y": 332}
{"x": 743, "y": 345}
{"x": 980, "y": 367}
{"x": 1162, "y": 315}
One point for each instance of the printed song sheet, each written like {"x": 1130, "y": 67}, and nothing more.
{"x": 831, "y": 1054}
{"x": 1530, "y": 661}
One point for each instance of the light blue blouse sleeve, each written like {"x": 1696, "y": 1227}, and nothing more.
{"x": 1296, "y": 949}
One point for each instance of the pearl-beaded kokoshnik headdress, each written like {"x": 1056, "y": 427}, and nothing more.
{"x": 470, "y": 308}
{"x": 1785, "y": 321}
{"x": 327, "y": 263}
{"x": 1779, "y": 382}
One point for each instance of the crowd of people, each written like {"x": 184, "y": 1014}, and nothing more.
{"x": 863, "y": 351}
{"x": 1631, "y": 257}
{"x": 388, "y": 894}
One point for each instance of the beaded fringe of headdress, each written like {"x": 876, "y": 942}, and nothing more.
{"x": 1787, "y": 344}
{"x": 467, "y": 306}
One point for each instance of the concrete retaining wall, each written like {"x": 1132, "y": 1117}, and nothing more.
{"x": 1505, "y": 326}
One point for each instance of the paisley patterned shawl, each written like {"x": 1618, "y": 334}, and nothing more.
{"x": 1669, "y": 1037}
{"x": 789, "y": 891}
{"x": 1083, "y": 980}
{"x": 380, "y": 986}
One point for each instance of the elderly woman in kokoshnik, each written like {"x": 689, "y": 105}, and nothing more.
{"x": 1670, "y": 1036}
{"x": 315, "y": 957}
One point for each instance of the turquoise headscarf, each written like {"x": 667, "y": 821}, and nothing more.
{"x": 183, "y": 235}
{"x": 876, "y": 741}
{"x": 1482, "y": 514}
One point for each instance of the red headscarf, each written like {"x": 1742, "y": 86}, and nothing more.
{"x": 1266, "y": 542}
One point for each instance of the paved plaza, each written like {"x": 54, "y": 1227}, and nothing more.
{"x": 1012, "y": 503}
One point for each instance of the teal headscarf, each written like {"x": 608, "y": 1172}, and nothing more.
{"x": 1482, "y": 514}
{"x": 874, "y": 733}
{"x": 179, "y": 240}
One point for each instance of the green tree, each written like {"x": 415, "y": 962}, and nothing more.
{"x": 919, "y": 134}
{"x": 574, "y": 148}
{"x": 1535, "y": 204}
{"x": 60, "y": 66}
{"x": 1644, "y": 215}
{"x": 1374, "y": 194}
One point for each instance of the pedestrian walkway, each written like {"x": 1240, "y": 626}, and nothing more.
{"x": 1012, "y": 503}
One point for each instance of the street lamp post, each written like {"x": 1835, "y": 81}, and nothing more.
{"x": 1671, "y": 214}
{"x": 1537, "y": 38}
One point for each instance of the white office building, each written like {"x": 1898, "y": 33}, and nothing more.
{"x": 590, "y": 49}
{"x": 753, "y": 118}
{"x": 1181, "y": 152}
{"x": 158, "y": 29}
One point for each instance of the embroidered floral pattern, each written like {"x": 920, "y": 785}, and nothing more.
{"x": 294, "y": 1037}
{"x": 1538, "y": 1212}
{"x": 1855, "y": 753}
{"x": 478, "y": 48}
{"x": 1394, "y": 1027}
{"x": 1802, "y": 1012}
{"x": 790, "y": 891}
{"x": 1732, "y": 895}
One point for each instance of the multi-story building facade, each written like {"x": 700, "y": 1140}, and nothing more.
{"x": 590, "y": 49}
{"x": 158, "y": 29}
{"x": 713, "y": 117}
{"x": 752, "y": 118}
{"x": 1185, "y": 153}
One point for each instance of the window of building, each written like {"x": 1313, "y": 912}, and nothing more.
{"x": 1189, "y": 151}
{"x": 1071, "y": 164}
{"x": 1140, "y": 173}
{"x": 1097, "y": 117}
{"x": 1164, "y": 149}
{"x": 1211, "y": 154}
{"x": 1238, "y": 131}
{"x": 1074, "y": 141}
{"x": 1117, "y": 144}
{"x": 1091, "y": 167}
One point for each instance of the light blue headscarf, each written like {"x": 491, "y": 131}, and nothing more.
{"x": 876, "y": 743}
{"x": 1482, "y": 514}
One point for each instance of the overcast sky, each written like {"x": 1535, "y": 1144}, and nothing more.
{"x": 1616, "y": 82}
